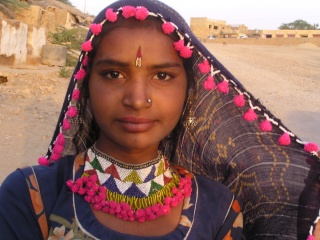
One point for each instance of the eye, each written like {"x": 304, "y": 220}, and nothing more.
{"x": 113, "y": 75}
{"x": 163, "y": 76}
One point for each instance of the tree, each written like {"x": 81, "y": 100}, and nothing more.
{"x": 299, "y": 25}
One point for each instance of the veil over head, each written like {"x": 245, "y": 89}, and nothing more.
{"x": 237, "y": 141}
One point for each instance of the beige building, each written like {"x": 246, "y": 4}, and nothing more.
{"x": 204, "y": 28}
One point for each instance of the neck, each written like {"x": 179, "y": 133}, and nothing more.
{"x": 130, "y": 156}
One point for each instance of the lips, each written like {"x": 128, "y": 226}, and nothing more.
{"x": 135, "y": 125}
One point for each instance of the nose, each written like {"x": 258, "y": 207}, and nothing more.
{"x": 136, "y": 94}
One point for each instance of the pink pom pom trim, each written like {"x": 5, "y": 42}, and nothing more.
{"x": 66, "y": 124}
{"x": 178, "y": 45}
{"x": 284, "y": 139}
{"x": 72, "y": 112}
{"x": 76, "y": 94}
{"x": 81, "y": 74}
{"x": 167, "y": 28}
{"x": 55, "y": 156}
{"x": 86, "y": 46}
{"x": 239, "y": 100}
{"x": 60, "y": 139}
{"x": 265, "y": 126}
{"x": 186, "y": 52}
{"x": 311, "y": 147}
{"x": 96, "y": 28}
{"x": 57, "y": 148}
{"x": 141, "y": 13}
{"x": 310, "y": 237}
{"x": 250, "y": 115}
{"x": 204, "y": 67}
{"x": 43, "y": 161}
{"x": 128, "y": 11}
{"x": 209, "y": 83}
{"x": 223, "y": 87}
{"x": 111, "y": 16}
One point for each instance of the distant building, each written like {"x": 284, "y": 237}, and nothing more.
{"x": 206, "y": 28}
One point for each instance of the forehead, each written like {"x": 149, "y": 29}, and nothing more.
{"x": 123, "y": 43}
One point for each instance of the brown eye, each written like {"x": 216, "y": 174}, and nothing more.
{"x": 162, "y": 76}
{"x": 113, "y": 75}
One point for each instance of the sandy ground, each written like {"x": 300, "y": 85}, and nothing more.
{"x": 285, "y": 78}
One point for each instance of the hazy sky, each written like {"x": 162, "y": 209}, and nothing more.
{"x": 256, "y": 14}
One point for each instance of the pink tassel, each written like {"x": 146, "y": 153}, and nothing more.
{"x": 284, "y": 140}
{"x": 58, "y": 148}
{"x": 186, "y": 52}
{"x": 128, "y": 11}
{"x": 76, "y": 94}
{"x": 311, "y": 147}
{"x": 209, "y": 83}
{"x": 204, "y": 67}
{"x": 86, "y": 46}
{"x": 43, "y": 161}
{"x": 96, "y": 28}
{"x": 178, "y": 45}
{"x": 60, "y": 139}
{"x": 141, "y": 13}
{"x": 72, "y": 112}
{"x": 223, "y": 87}
{"x": 85, "y": 61}
{"x": 167, "y": 28}
{"x": 310, "y": 237}
{"x": 265, "y": 126}
{"x": 55, "y": 156}
{"x": 250, "y": 115}
{"x": 239, "y": 100}
{"x": 66, "y": 124}
{"x": 81, "y": 74}
{"x": 110, "y": 15}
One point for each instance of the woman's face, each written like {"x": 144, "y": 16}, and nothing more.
{"x": 119, "y": 90}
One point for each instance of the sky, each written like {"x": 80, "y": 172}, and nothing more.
{"x": 255, "y": 14}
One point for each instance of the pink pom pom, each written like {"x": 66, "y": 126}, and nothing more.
{"x": 284, "y": 139}
{"x": 86, "y": 46}
{"x": 186, "y": 52}
{"x": 178, "y": 45}
{"x": 265, "y": 126}
{"x": 58, "y": 148}
{"x": 55, "y": 156}
{"x": 85, "y": 61}
{"x": 239, "y": 100}
{"x": 43, "y": 161}
{"x": 128, "y": 11}
{"x": 66, "y": 124}
{"x": 250, "y": 115}
{"x": 81, "y": 74}
{"x": 223, "y": 87}
{"x": 60, "y": 139}
{"x": 141, "y": 13}
{"x": 310, "y": 237}
{"x": 96, "y": 28}
{"x": 204, "y": 67}
{"x": 76, "y": 94}
{"x": 110, "y": 15}
{"x": 167, "y": 28}
{"x": 311, "y": 147}
{"x": 209, "y": 83}
{"x": 72, "y": 112}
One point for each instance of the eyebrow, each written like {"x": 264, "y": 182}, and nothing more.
{"x": 113, "y": 62}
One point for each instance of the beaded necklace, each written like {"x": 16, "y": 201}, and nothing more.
{"x": 132, "y": 192}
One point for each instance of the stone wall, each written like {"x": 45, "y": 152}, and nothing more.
{"x": 20, "y": 43}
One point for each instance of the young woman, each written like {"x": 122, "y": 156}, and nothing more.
{"x": 149, "y": 121}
